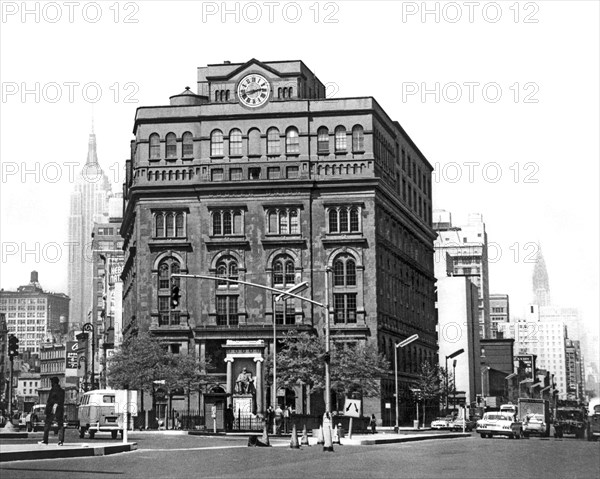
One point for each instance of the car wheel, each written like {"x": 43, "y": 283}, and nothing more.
{"x": 483, "y": 436}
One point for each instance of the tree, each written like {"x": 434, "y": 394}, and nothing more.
{"x": 353, "y": 367}
{"x": 143, "y": 359}
{"x": 139, "y": 361}
{"x": 356, "y": 367}
{"x": 432, "y": 383}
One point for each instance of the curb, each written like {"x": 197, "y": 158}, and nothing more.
{"x": 14, "y": 435}
{"x": 60, "y": 452}
{"x": 392, "y": 440}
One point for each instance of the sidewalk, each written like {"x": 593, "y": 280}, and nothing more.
{"x": 21, "y": 452}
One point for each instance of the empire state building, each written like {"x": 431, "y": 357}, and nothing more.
{"x": 89, "y": 203}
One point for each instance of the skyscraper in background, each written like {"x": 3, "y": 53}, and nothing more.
{"x": 541, "y": 285}
{"x": 467, "y": 247}
{"x": 89, "y": 204}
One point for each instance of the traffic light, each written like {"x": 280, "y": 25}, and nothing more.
{"x": 175, "y": 296}
{"x": 13, "y": 346}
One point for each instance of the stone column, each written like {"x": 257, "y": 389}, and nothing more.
{"x": 259, "y": 385}
{"x": 229, "y": 362}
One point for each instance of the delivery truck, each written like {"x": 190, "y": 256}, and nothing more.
{"x": 535, "y": 416}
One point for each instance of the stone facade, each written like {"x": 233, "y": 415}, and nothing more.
{"x": 301, "y": 188}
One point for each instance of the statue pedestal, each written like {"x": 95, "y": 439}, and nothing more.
{"x": 242, "y": 405}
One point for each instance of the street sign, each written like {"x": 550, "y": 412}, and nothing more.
{"x": 352, "y": 407}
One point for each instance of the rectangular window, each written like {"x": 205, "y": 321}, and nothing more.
{"x": 344, "y": 308}
{"x": 292, "y": 172}
{"x": 254, "y": 173}
{"x": 285, "y": 312}
{"x": 273, "y": 173}
{"x": 235, "y": 174}
{"x": 217, "y": 174}
{"x": 227, "y": 310}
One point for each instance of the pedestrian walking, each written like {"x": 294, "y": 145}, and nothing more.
{"x": 55, "y": 411}
{"x": 278, "y": 419}
{"x": 373, "y": 424}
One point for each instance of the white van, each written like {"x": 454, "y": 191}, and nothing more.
{"x": 98, "y": 413}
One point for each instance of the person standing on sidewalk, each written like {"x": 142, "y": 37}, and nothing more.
{"x": 55, "y": 411}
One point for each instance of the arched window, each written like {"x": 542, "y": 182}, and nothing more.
{"x": 227, "y": 222}
{"x": 171, "y": 141}
{"x": 283, "y": 221}
{"x": 226, "y": 95}
{"x": 188, "y": 144}
{"x": 344, "y": 219}
{"x": 227, "y": 267}
{"x": 273, "y": 142}
{"x": 168, "y": 314}
{"x": 169, "y": 224}
{"x": 344, "y": 288}
{"x": 235, "y": 143}
{"x": 283, "y": 278}
{"x": 340, "y": 139}
{"x": 323, "y": 140}
{"x": 254, "y": 142}
{"x": 292, "y": 141}
{"x": 154, "y": 146}
{"x": 283, "y": 271}
{"x": 358, "y": 139}
{"x": 290, "y": 90}
{"x": 216, "y": 143}
{"x": 344, "y": 270}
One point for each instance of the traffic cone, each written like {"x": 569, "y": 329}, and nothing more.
{"x": 327, "y": 444}
{"x": 304, "y": 440}
{"x": 336, "y": 436}
{"x": 264, "y": 440}
{"x": 320, "y": 439}
{"x": 294, "y": 442}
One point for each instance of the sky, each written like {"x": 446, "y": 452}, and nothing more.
{"x": 501, "y": 97}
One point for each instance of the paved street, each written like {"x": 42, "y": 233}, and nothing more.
{"x": 183, "y": 456}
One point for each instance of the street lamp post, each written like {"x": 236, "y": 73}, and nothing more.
{"x": 450, "y": 356}
{"x": 453, "y": 385}
{"x": 89, "y": 328}
{"x": 401, "y": 344}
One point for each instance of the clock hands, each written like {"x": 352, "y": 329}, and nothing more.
{"x": 255, "y": 90}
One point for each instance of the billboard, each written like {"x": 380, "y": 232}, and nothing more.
{"x": 525, "y": 365}
{"x": 72, "y": 357}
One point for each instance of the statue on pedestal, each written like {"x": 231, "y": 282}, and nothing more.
{"x": 244, "y": 384}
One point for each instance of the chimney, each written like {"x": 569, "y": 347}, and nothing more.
{"x": 34, "y": 277}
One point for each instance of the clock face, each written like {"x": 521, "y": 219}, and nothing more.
{"x": 254, "y": 90}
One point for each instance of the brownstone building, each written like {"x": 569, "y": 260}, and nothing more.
{"x": 259, "y": 177}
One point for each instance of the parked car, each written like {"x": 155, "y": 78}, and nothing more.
{"x": 457, "y": 424}
{"x": 499, "y": 424}
{"x": 442, "y": 422}
{"x": 36, "y": 419}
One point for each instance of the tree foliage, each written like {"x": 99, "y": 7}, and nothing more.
{"x": 353, "y": 367}
{"x": 142, "y": 359}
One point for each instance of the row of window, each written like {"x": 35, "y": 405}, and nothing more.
{"x": 279, "y": 221}
{"x": 283, "y": 276}
{"x": 275, "y": 146}
{"x": 23, "y": 300}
